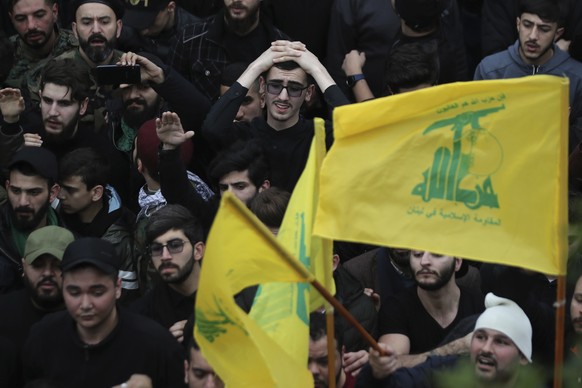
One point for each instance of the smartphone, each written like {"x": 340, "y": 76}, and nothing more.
{"x": 117, "y": 75}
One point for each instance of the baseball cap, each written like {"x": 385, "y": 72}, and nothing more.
{"x": 51, "y": 240}
{"x": 40, "y": 159}
{"x": 141, "y": 14}
{"x": 115, "y": 5}
{"x": 93, "y": 251}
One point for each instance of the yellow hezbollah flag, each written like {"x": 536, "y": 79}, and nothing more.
{"x": 241, "y": 252}
{"x": 475, "y": 170}
{"x": 282, "y": 310}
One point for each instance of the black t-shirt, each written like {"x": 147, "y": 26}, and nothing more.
{"x": 405, "y": 314}
{"x": 246, "y": 48}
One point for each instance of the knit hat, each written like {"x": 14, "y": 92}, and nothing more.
{"x": 506, "y": 316}
{"x": 52, "y": 240}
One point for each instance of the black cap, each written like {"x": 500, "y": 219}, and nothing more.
{"x": 40, "y": 159}
{"x": 93, "y": 251}
{"x": 115, "y": 5}
{"x": 141, "y": 14}
{"x": 418, "y": 14}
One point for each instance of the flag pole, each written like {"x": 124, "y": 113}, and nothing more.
{"x": 331, "y": 346}
{"x": 560, "y": 321}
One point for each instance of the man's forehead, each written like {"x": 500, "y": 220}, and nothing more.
{"x": 56, "y": 92}
{"x": 297, "y": 75}
{"x": 318, "y": 348}
{"x": 234, "y": 177}
{"x": 30, "y": 6}
{"x": 493, "y": 333}
{"x": 26, "y": 182}
{"x": 94, "y": 11}
{"x": 533, "y": 18}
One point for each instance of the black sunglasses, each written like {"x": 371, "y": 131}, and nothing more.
{"x": 276, "y": 88}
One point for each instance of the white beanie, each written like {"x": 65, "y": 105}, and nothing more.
{"x": 506, "y": 316}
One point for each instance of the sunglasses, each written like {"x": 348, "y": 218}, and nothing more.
{"x": 174, "y": 246}
{"x": 276, "y": 88}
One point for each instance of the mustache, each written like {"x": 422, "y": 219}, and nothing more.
{"x": 138, "y": 101}
{"x": 96, "y": 37}
{"x": 23, "y": 209}
{"x": 29, "y": 33}
{"x": 49, "y": 281}
{"x": 168, "y": 265}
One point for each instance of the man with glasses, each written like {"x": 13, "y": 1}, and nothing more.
{"x": 174, "y": 240}
{"x": 287, "y": 74}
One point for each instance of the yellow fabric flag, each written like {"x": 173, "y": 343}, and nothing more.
{"x": 475, "y": 170}
{"x": 241, "y": 252}
{"x": 282, "y": 310}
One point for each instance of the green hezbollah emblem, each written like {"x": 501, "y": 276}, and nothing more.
{"x": 451, "y": 170}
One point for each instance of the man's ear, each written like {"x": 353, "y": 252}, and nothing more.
{"x": 119, "y": 27}
{"x": 83, "y": 106}
{"x": 199, "y": 249}
{"x": 522, "y": 360}
{"x": 335, "y": 260}
{"x": 55, "y": 11}
{"x": 559, "y": 33}
{"x": 266, "y": 184}
{"x": 309, "y": 92}
{"x": 458, "y": 263}
{"x": 262, "y": 83}
{"x": 139, "y": 165}
{"x": 97, "y": 193}
{"x": 186, "y": 367}
{"x": 53, "y": 192}
{"x": 118, "y": 288}
{"x": 517, "y": 21}
{"x": 74, "y": 29}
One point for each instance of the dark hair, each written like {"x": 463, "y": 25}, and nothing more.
{"x": 232, "y": 72}
{"x": 91, "y": 166}
{"x": 547, "y": 10}
{"x": 50, "y": 3}
{"x": 290, "y": 65}
{"x": 269, "y": 206}
{"x": 240, "y": 156}
{"x": 27, "y": 169}
{"x": 318, "y": 328}
{"x": 412, "y": 64}
{"x": 192, "y": 344}
{"x": 7, "y": 55}
{"x": 419, "y": 15}
{"x": 67, "y": 73}
{"x": 174, "y": 217}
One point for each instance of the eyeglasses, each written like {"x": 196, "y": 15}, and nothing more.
{"x": 276, "y": 88}
{"x": 174, "y": 246}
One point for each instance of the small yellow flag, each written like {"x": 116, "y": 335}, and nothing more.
{"x": 241, "y": 252}
{"x": 475, "y": 170}
{"x": 282, "y": 310}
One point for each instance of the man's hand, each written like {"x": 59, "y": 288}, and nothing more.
{"x": 136, "y": 381}
{"x": 149, "y": 71}
{"x": 32, "y": 140}
{"x": 354, "y": 62}
{"x": 11, "y": 104}
{"x": 170, "y": 131}
{"x": 383, "y": 366}
{"x": 354, "y": 361}
{"x": 177, "y": 330}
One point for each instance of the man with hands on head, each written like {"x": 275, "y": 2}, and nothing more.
{"x": 288, "y": 73}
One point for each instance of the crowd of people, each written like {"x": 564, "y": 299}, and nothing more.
{"x": 112, "y": 184}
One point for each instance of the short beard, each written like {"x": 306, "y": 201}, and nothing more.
{"x": 46, "y": 302}
{"x": 242, "y": 27}
{"x": 182, "y": 274}
{"x": 442, "y": 280}
{"x": 136, "y": 118}
{"x": 40, "y": 44}
{"x": 67, "y": 133}
{"x": 97, "y": 54}
{"x": 28, "y": 225}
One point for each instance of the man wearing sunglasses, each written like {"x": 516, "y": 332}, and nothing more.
{"x": 175, "y": 244}
{"x": 288, "y": 73}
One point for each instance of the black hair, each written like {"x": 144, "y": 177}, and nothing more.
{"x": 269, "y": 206}
{"x": 290, "y": 65}
{"x": 27, "y": 169}
{"x": 91, "y": 166}
{"x": 12, "y": 3}
{"x": 412, "y": 64}
{"x": 241, "y": 155}
{"x": 419, "y": 15}
{"x": 318, "y": 328}
{"x": 547, "y": 10}
{"x": 67, "y": 73}
{"x": 174, "y": 217}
